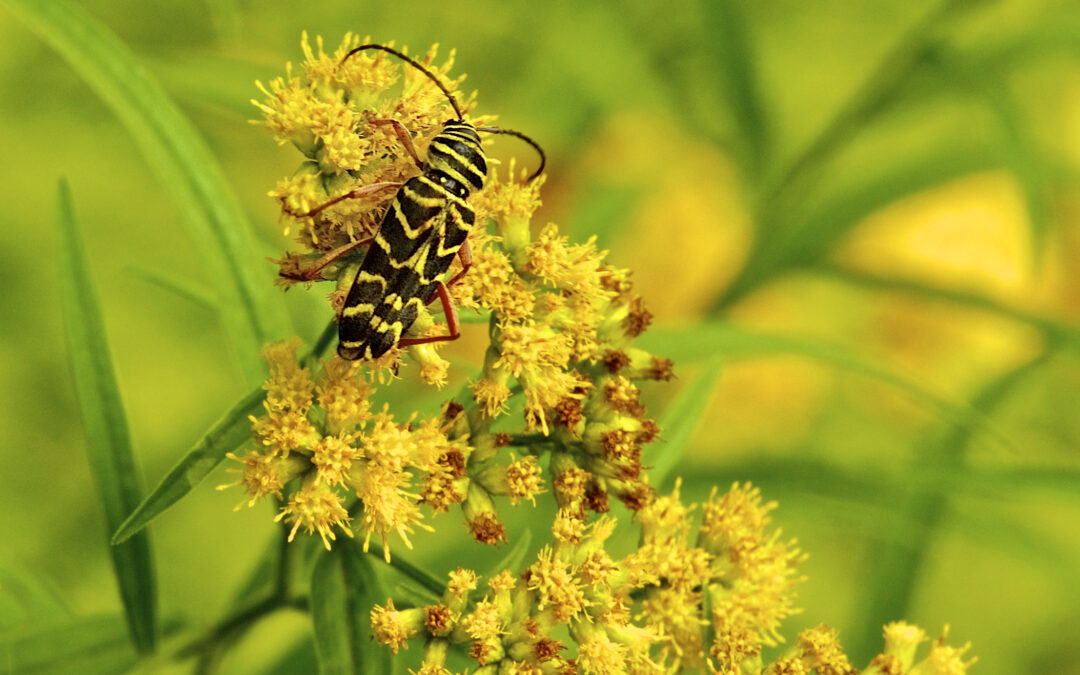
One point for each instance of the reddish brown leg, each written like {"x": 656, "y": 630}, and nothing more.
{"x": 450, "y": 311}
{"x": 314, "y": 271}
{"x": 403, "y": 136}
{"x": 352, "y": 194}
{"x": 465, "y": 254}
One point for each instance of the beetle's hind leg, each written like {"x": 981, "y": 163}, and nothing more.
{"x": 449, "y": 310}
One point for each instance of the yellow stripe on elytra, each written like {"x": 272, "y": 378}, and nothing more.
{"x": 364, "y": 307}
{"x": 406, "y": 226}
{"x": 363, "y": 276}
{"x": 430, "y": 202}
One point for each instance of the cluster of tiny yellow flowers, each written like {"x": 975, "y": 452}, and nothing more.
{"x": 321, "y": 432}
{"x": 708, "y": 585}
{"x": 646, "y": 612}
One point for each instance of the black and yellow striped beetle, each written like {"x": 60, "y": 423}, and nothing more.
{"x": 426, "y": 225}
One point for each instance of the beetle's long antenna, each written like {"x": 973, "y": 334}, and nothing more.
{"x": 518, "y": 134}
{"x": 414, "y": 64}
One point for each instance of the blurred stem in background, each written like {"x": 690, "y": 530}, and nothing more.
{"x": 777, "y": 203}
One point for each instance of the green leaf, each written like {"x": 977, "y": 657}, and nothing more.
{"x": 804, "y": 239}
{"x": 896, "y": 567}
{"x": 108, "y": 444}
{"x": 300, "y": 658}
{"x": 703, "y": 341}
{"x": 729, "y": 46}
{"x": 226, "y": 435}
{"x": 189, "y": 290}
{"x": 514, "y": 558}
{"x": 424, "y": 579}
{"x": 365, "y": 591}
{"x": 679, "y": 422}
{"x": 26, "y": 599}
{"x": 331, "y": 617}
{"x": 1054, "y": 329}
{"x": 1019, "y": 148}
{"x": 250, "y": 313}
{"x": 85, "y": 646}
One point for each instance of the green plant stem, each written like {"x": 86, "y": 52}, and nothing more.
{"x": 234, "y": 624}
{"x": 1066, "y": 335}
{"x": 899, "y": 561}
{"x": 885, "y": 81}
{"x": 284, "y": 564}
{"x": 323, "y": 342}
{"x": 426, "y": 580}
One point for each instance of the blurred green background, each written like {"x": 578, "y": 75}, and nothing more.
{"x": 868, "y": 211}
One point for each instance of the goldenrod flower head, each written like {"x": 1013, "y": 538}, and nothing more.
{"x": 674, "y": 613}
{"x": 344, "y": 395}
{"x": 502, "y": 582}
{"x": 332, "y": 457}
{"x": 485, "y": 622}
{"x": 484, "y": 525}
{"x": 282, "y": 432}
{"x": 902, "y": 640}
{"x": 289, "y": 386}
{"x": 316, "y": 508}
{"x": 387, "y": 443}
{"x": 510, "y": 203}
{"x": 822, "y": 652}
{"x": 570, "y": 485}
{"x": 556, "y": 586}
{"x": 786, "y": 666}
{"x": 492, "y": 392}
{"x": 496, "y": 286}
{"x": 739, "y": 514}
{"x": 944, "y": 659}
{"x": 735, "y": 644}
{"x": 523, "y": 479}
{"x": 569, "y": 526}
{"x": 599, "y": 655}
{"x": 387, "y": 506}
{"x": 261, "y": 476}
{"x": 390, "y": 627}
{"x": 462, "y": 581}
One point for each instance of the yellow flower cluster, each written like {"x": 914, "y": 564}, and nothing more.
{"x": 322, "y": 434}
{"x": 647, "y": 612}
{"x": 338, "y": 114}
{"x": 562, "y": 323}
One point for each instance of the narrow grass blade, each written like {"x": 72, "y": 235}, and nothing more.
{"x": 112, "y": 463}
{"x": 86, "y": 646}
{"x": 797, "y": 240}
{"x": 227, "y": 434}
{"x": 365, "y": 591}
{"x": 729, "y": 45}
{"x": 424, "y": 579}
{"x": 188, "y": 290}
{"x": 330, "y": 616}
{"x": 1067, "y": 335}
{"x": 183, "y": 163}
{"x": 700, "y": 342}
{"x": 897, "y": 566}
{"x": 679, "y": 422}
{"x": 1019, "y": 149}
{"x": 514, "y": 558}
{"x": 27, "y": 599}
